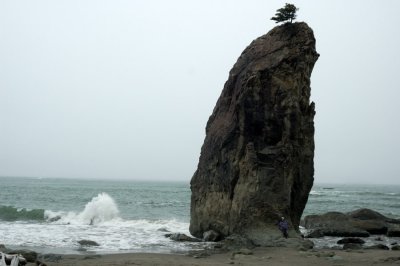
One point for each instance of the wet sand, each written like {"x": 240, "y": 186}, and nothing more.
{"x": 259, "y": 256}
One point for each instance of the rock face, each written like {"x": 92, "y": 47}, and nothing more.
{"x": 361, "y": 223}
{"x": 256, "y": 163}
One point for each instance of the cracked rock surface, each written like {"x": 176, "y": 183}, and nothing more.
{"x": 256, "y": 163}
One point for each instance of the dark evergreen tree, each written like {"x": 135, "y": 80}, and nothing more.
{"x": 286, "y": 13}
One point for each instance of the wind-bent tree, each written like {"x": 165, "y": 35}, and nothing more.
{"x": 288, "y": 12}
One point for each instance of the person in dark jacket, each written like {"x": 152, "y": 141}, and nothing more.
{"x": 283, "y": 226}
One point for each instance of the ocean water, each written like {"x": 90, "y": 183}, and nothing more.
{"x": 344, "y": 198}
{"x": 52, "y": 215}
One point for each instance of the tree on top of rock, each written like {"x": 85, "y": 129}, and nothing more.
{"x": 288, "y": 12}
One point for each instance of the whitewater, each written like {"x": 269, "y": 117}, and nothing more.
{"x": 52, "y": 215}
{"x": 99, "y": 221}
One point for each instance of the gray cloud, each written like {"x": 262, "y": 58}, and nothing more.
{"x": 123, "y": 89}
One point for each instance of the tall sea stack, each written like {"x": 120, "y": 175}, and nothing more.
{"x": 256, "y": 163}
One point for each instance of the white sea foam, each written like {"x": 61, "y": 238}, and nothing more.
{"x": 112, "y": 236}
{"x": 100, "y": 209}
{"x": 99, "y": 221}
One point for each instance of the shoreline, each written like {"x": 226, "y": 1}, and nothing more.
{"x": 214, "y": 255}
{"x": 259, "y": 256}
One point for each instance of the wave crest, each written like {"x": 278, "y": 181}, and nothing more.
{"x": 101, "y": 208}
{"x": 11, "y": 214}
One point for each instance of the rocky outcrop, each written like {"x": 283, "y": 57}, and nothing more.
{"x": 256, "y": 163}
{"x": 211, "y": 235}
{"x": 354, "y": 240}
{"x": 332, "y": 224}
{"x": 360, "y": 223}
{"x": 182, "y": 237}
{"x": 393, "y": 230}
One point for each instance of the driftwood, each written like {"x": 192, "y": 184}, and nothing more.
{"x": 11, "y": 260}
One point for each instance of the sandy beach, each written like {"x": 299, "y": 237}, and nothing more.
{"x": 259, "y": 256}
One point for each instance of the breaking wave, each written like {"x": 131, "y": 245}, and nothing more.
{"x": 11, "y": 214}
{"x": 99, "y": 209}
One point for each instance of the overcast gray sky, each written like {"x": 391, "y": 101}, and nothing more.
{"x": 123, "y": 89}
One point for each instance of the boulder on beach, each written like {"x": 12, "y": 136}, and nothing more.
{"x": 256, "y": 163}
{"x": 393, "y": 230}
{"x": 332, "y": 224}
{"x": 354, "y": 240}
{"x": 396, "y": 247}
{"x": 211, "y": 235}
{"x": 358, "y": 223}
{"x": 377, "y": 246}
{"x": 182, "y": 237}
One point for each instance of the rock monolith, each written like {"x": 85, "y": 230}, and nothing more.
{"x": 256, "y": 163}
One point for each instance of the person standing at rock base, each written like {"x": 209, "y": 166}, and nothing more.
{"x": 283, "y": 226}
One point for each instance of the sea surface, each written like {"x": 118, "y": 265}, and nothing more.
{"x": 51, "y": 215}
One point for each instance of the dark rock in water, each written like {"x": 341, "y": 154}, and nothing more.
{"x": 369, "y": 220}
{"x": 372, "y": 221}
{"x": 346, "y": 232}
{"x": 85, "y": 242}
{"x": 256, "y": 163}
{"x": 377, "y": 246}
{"x": 211, "y": 235}
{"x": 366, "y": 214}
{"x": 182, "y": 238}
{"x": 359, "y": 223}
{"x": 54, "y": 219}
{"x": 327, "y": 220}
{"x": 314, "y": 233}
{"x": 352, "y": 246}
{"x": 371, "y": 226}
{"x": 333, "y": 224}
{"x": 337, "y": 232}
{"x": 394, "y": 230}
{"x": 354, "y": 240}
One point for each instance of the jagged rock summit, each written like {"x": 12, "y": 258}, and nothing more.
{"x": 256, "y": 163}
